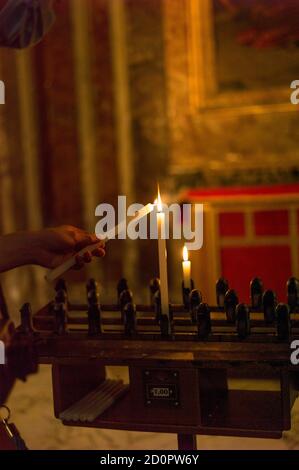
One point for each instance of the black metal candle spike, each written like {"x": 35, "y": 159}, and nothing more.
{"x": 121, "y": 286}
{"x": 26, "y": 326}
{"x": 242, "y": 321}
{"x": 60, "y": 312}
{"x": 166, "y": 325}
{"x": 125, "y": 297}
{"x": 221, "y": 289}
{"x": 164, "y": 321}
{"x": 269, "y": 304}
{"x": 195, "y": 298}
{"x": 61, "y": 291}
{"x": 230, "y": 303}
{"x": 92, "y": 289}
{"x": 60, "y": 285}
{"x": 130, "y": 322}
{"x": 94, "y": 310}
{"x": 293, "y": 292}
{"x": 154, "y": 287}
{"x": 256, "y": 292}
{"x": 283, "y": 322}
{"x": 61, "y": 297}
{"x": 186, "y": 293}
{"x": 203, "y": 320}
{"x": 157, "y": 306}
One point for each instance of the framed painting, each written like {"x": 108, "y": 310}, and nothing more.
{"x": 243, "y": 54}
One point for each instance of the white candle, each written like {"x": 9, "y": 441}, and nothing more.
{"x": 56, "y": 272}
{"x": 162, "y": 251}
{"x": 186, "y": 269}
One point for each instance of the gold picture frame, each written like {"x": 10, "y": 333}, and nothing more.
{"x": 205, "y": 95}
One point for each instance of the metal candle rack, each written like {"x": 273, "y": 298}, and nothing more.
{"x": 191, "y": 320}
{"x": 181, "y": 366}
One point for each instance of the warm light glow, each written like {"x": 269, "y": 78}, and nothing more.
{"x": 145, "y": 210}
{"x": 159, "y": 201}
{"x": 185, "y": 253}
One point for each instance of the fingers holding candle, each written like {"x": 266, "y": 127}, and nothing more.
{"x": 79, "y": 262}
{"x": 99, "y": 251}
{"x": 87, "y": 256}
{"x": 93, "y": 245}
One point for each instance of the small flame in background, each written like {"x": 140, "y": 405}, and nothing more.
{"x": 185, "y": 253}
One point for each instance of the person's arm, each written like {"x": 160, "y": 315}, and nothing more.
{"x": 47, "y": 247}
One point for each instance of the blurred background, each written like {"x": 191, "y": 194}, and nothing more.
{"x": 122, "y": 94}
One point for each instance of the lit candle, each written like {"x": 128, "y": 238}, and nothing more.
{"x": 186, "y": 269}
{"x": 162, "y": 257}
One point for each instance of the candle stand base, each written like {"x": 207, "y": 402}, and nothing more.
{"x": 184, "y": 369}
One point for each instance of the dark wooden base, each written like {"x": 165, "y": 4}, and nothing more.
{"x": 197, "y": 373}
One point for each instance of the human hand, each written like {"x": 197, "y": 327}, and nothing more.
{"x": 53, "y": 246}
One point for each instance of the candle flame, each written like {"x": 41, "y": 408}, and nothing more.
{"x": 185, "y": 253}
{"x": 159, "y": 201}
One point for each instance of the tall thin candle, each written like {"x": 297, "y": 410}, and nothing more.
{"x": 162, "y": 251}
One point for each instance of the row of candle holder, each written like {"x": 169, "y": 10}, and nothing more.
{"x": 225, "y": 297}
{"x": 227, "y": 302}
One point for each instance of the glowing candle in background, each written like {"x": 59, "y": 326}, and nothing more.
{"x": 186, "y": 269}
{"x": 162, "y": 251}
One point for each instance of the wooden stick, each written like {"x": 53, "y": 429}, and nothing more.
{"x": 68, "y": 264}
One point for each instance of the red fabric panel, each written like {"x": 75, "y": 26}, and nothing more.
{"x": 271, "y": 263}
{"x": 271, "y": 222}
{"x": 244, "y": 191}
{"x": 231, "y": 224}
